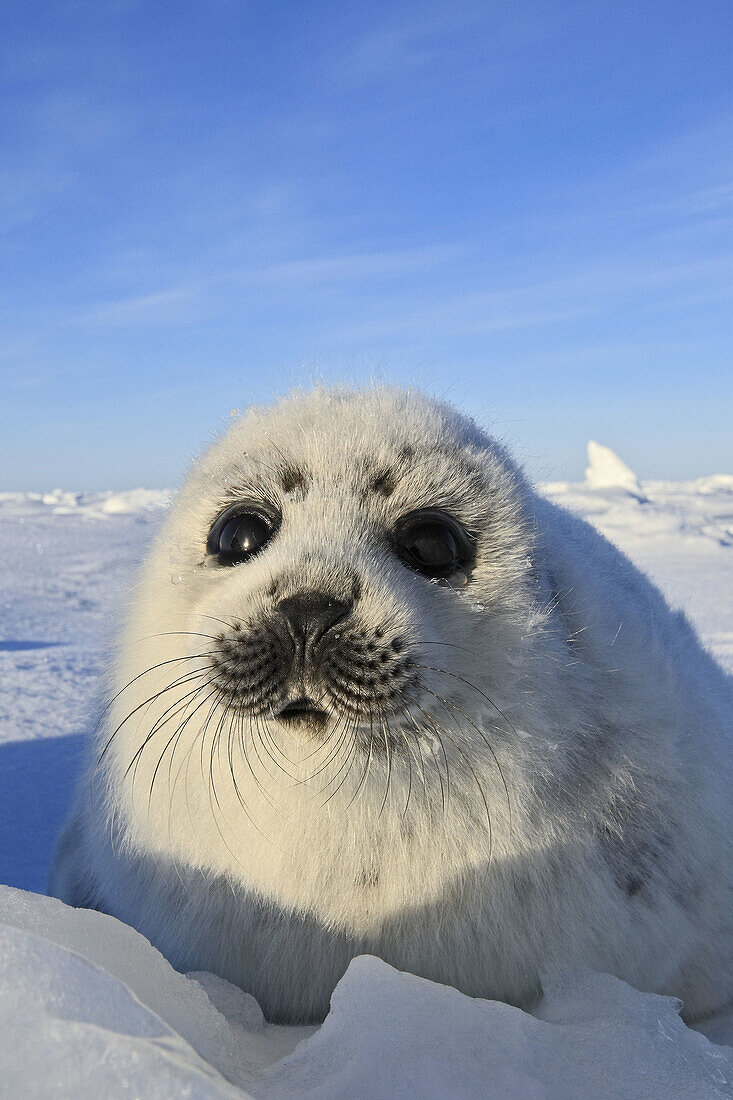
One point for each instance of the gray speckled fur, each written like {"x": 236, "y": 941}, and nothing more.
{"x": 572, "y": 702}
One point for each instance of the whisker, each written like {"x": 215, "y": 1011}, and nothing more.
{"x": 430, "y": 668}
{"x": 202, "y": 745}
{"x": 176, "y": 634}
{"x": 229, "y": 626}
{"x": 443, "y": 796}
{"x": 446, "y": 762}
{"x": 418, "y": 749}
{"x": 361, "y": 781}
{"x": 172, "y": 783}
{"x": 178, "y": 707}
{"x": 339, "y": 733}
{"x": 473, "y": 773}
{"x": 243, "y": 746}
{"x": 268, "y": 739}
{"x": 211, "y": 784}
{"x": 234, "y": 719}
{"x": 347, "y": 764}
{"x": 389, "y": 772}
{"x": 216, "y": 750}
{"x": 350, "y": 725}
{"x": 133, "y": 764}
{"x": 263, "y": 737}
{"x": 160, "y": 664}
{"x": 447, "y": 703}
{"x": 409, "y": 774}
{"x": 187, "y": 677}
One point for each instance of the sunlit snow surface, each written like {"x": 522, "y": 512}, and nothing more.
{"x": 88, "y": 1008}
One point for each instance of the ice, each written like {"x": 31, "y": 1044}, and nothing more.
{"x": 392, "y": 1034}
{"x": 607, "y": 471}
{"x": 135, "y": 500}
{"x": 52, "y": 933}
{"x": 240, "y": 1008}
{"x": 69, "y": 1029}
{"x": 89, "y": 1009}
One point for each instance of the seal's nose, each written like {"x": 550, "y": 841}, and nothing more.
{"x": 309, "y": 615}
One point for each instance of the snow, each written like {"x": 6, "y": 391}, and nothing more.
{"x": 680, "y": 534}
{"x": 120, "y": 972}
{"x": 89, "y": 1008}
{"x": 92, "y": 505}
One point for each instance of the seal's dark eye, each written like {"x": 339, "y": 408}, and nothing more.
{"x": 432, "y": 543}
{"x": 239, "y": 533}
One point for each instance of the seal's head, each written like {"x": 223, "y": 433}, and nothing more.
{"x": 338, "y": 615}
{"x": 341, "y": 532}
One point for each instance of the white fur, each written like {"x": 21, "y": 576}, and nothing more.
{"x": 574, "y": 705}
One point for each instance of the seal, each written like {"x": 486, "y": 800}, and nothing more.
{"x": 374, "y": 694}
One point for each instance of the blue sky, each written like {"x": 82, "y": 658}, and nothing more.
{"x": 526, "y": 207}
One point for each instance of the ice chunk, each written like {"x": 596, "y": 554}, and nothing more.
{"x": 134, "y": 500}
{"x": 393, "y": 1034}
{"x": 607, "y": 471}
{"x": 237, "y": 1006}
{"x": 67, "y": 1029}
{"x": 127, "y": 957}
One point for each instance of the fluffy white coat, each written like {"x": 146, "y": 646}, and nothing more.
{"x": 556, "y": 791}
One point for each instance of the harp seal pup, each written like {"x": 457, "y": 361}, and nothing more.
{"x": 375, "y": 695}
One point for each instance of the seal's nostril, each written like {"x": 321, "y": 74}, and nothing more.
{"x": 309, "y": 615}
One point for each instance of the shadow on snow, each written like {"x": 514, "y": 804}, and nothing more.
{"x": 37, "y": 781}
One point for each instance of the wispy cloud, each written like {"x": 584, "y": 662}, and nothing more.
{"x": 164, "y": 307}
{"x": 46, "y": 164}
{"x": 583, "y": 292}
{"x": 211, "y": 293}
{"x": 420, "y": 36}
{"x": 355, "y": 267}
{"x": 26, "y": 190}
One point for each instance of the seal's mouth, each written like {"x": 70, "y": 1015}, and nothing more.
{"x": 303, "y": 713}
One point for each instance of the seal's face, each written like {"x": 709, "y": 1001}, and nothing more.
{"x": 334, "y": 608}
{"x": 314, "y": 652}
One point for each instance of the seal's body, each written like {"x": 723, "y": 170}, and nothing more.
{"x": 375, "y": 695}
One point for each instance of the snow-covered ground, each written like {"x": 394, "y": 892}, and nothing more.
{"x": 89, "y": 1008}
